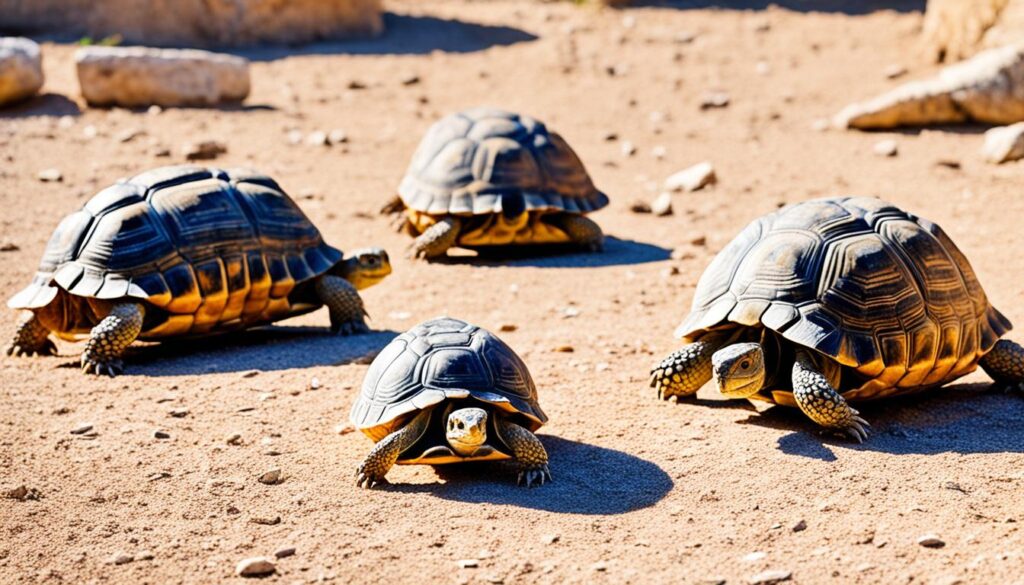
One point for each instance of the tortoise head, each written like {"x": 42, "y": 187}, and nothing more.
{"x": 466, "y": 430}
{"x": 739, "y": 369}
{"x": 366, "y": 267}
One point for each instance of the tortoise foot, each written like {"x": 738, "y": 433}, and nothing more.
{"x": 857, "y": 428}
{"x": 368, "y": 480}
{"x": 534, "y": 476}
{"x": 352, "y": 327}
{"x": 19, "y": 350}
{"x": 101, "y": 366}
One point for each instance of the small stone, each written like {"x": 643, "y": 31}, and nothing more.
{"x": 255, "y": 567}
{"x": 251, "y": 374}
{"x": 272, "y": 477}
{"x": 317, "y": 138}
{"x": 314, "y": 383}
{"x": 948, "y": 163}
{"x": 1004, "y": 144}
{"x": 295, "y": 137}
{"x": 234, "y": 439}
{"x": 469, "y": 564}
{"x": 90, "y": 132}
{"x": 694, "y": 178}
{"x": 599, "y": 566}
{"x": 9, "y": 247}
{"x": 51, "y": 176}
{"x": 684, "y": 37}
{"x": 931, "y": 541}
{"x": 410, "y": 79}
{"x": 344, "y": 428}
{"x": 682, "y": 254}
{"x": 659, "y": 152}
{"x": 284, "y": 551}
{"x": 610, "y": 136}
{"x": 800, "y": 526}
{"x": 895, "y": 71}
{"x": 266, "y": 520}
{"x": 640, "y": 206}
{"x": 770, "y": 577}
{"x": 627, "y": 148}
{"x": 158, "y": 476}
{"x": 507, "y": 327}
{"x": 161, "y": 435}
{"x": 154, "y": 110}
{"x": 887, "y": 148}
{"x": 715, "y": 99}
{"x": 356, "y": 84}
{"x": 81, "y": 429}
{"x": 565, "y": 349}
{"x": 550, "y": 538}
{"x": 337, "y": 137}
{"x": 65, "y": 122}
{"x": 699, "y": 241}
{"x": 22, "y": 493}
{"x": 662, "y": 204}
{"x": 205, "y": 150}
{"x": 144, "y": 555}
{"x": 754, "y": 557}
{"x": 129, "y": 135}
{"x": 121, "y": 559}
{"x": 821, "y": 125}
{"x": 178, "y": 412}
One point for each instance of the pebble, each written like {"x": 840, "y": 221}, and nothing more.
{"x": 600, "y": 566}
{"x": 161, "y": 435}
{"x": 640, "y": 206}
{"x": 121, "y": 559}
{"x": 344, "y": 428}
{"x": 205, "y": 150}
{"x": 81, "y": 429}
{"x": 694, "y": 178}
{"x": 144, "y": 555}
{"x": 469, "y": 563}
{"x": 895, "y": 71}
{"x": 284, "y": 551}
{"x": 234, "y": 439}
{"x": 800, "y": 526}
{"x": 22, "y": 493}
{"x": 90, "y": 132}
{"x": 266, "y": 520}
{"x": 65, "y": 122}
{"x": 699, "y": 241}
{"x": 931, "y": 541}
{"x": 508, "y": 327}
{"x": 659, "y": 152}
{"x": 662, "y": 204}
{"x": 154, "y": 110}
{"x": 295, "y": 137}
{"x": 255, "y": 567}
{"x": 317, "y": 138}
{"x": 51, "y": 176}
{"x": 627, "y": 148}
{"x": 715, "y": 99}
{"x": 887, "y": 148}
{"x": 410, "y": 79}
{"x": 314, "y": 383}
{"x": 337, "y": 137}
{"x": 570, "y": 312}
{"x": 178, "y": 412}
{"x": 770, "y": 577}
{"x": 565, "y": 349}
{"x": 684, "y": 37}
{"x": 1004, "y": 144}
{"x": 251, "y": 374}
{"x": 550, "y": 538}
{"x": 272, "y": 477}
{"x": 754, "y": 556}
{"x": 129, "y": 135}
{"x": 9, "y": 247}
{"x": 821, "y": 125}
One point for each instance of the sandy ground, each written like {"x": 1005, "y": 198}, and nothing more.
{"x": 644, "y": 491}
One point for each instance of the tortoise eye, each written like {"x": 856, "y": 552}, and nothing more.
{"x": 461, "y": 426}
{"x": 745, "y": 364}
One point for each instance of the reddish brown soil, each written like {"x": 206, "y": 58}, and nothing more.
{"x": 644, "y": 491}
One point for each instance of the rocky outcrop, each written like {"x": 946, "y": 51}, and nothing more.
{"x": 138, "y": 76}
{"x": 956, "y": 29}
{"x": 21, "y": 70}
{"x": 198, "y": 23}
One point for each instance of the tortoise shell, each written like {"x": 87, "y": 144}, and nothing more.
{"x": 209, "y": 248}
{"x": 487, "y": 162}
{"x": 442, "y": 360}
{"x": 881, "y": 291}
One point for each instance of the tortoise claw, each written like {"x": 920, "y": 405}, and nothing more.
{"x": 48, "y": 347}
{"x": 100, "y": 367}
{"x": 534, "y": 477}
{"x": 369, "y": 481}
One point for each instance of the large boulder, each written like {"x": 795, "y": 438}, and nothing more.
{"x": 956, "y": 29}
{"x": 139, "y": 76}
{"x": 21, "y": 70}
{"x": 198, "y": 23}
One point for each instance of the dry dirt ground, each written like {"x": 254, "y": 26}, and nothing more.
{"x": 644, "y": 491}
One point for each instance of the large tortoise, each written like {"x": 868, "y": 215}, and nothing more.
{"x": 449, "y": 392}
{"x": 186, "y": 250}
{"x": 836, "y": 300}
{"x": 486, "y": 177}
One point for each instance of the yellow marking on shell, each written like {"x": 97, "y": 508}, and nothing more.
{"x": 259, "y": 294}
{"x": 235, "y": 269}
{"x": 497, "y": 230}
{"x": 494, "y": 455}
{"x": 281, "y": 288}
{"x": 214, "y": 289}
{"x": 189, "y": 300}
{"x": 174, "y": 326}
{"x": 276, "y": 309}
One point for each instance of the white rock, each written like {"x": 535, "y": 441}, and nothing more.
{"x": 139, "y": 76}
{"x": 770, "y": 577}
{"x": 887, "y": 148}
{"x": 627, "y": 148}
{"x": 1004, "y": 144}
{"x": 317, "y": 138}
{"x": 696, "y": 177}
{"x": 662, "y": 204}
{"x": 255, "y": 567}
{"x": 21, "y": 69}
{"x": 51, "y": 176}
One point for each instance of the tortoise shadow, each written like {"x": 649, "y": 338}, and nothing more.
{"x": 847, "y": 7}
{"x": 616, "y": 252}
{"x": 274, "y": 347}
{"x": 587, "y": 480}
{"x": 961, "y": 418}
{"x": 42, "y": 105}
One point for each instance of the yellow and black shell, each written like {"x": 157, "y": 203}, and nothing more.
{"x": 885, "y": 293}
{"x": 502, "y": 172}
{"x": 444, "y": 360}
{"x": 209, "y": 249}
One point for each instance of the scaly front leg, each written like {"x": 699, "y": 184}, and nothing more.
{"x": 382, "y": 458}
{"x": 685, "y": 371}
{"x": 31, "y": 338}
{"x": 1005, "y": 363}
{"x": 531, "y": 457}
{"x": 109, "y": 339}
{"x": 436, "y": 240}
{"x": 582, "y": 231}
{"x": 819, "y": 400}
{"x": 344, "y": 304}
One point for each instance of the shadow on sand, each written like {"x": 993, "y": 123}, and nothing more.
{"x": 587, "y": 480}
{"x": 268, "y": 348}
{"x": 47, "y": 104}
{"x": 406, "y": 35}
{"x": 962, "y": 418}
{"x": 848, "y": 7}
{"x": 616, "y": 253}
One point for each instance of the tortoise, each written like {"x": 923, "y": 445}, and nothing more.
{"x": 181, "y": 251}
{"x": 447, "y": 392}
{"x": 830, "y": 301}
{"x": 484, "y": 177}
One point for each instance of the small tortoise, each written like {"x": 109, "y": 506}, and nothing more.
{"x": 449, "y": 392}
{"x": 186, "y": 250}
{"x": 835, "y": 300}
{"x": 486, "y": 177}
